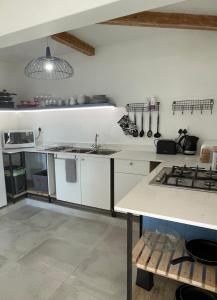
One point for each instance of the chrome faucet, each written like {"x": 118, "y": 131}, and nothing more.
{"x": 95, "y": 146}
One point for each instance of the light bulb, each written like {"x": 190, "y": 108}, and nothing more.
{"x": 48, "y": 66}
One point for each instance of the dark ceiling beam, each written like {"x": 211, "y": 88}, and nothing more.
{"x": 72, "y": 41}
{"x": 167, "y": 20}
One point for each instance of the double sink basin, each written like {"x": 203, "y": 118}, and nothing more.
{"x": 82, "y": 150}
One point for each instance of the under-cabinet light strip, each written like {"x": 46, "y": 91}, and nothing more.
{"x": 58, "y": 109}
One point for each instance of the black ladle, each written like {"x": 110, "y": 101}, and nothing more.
{"x": 142, "y": 126}
{"x": 149, "y": 133}
{"x": 157, "y": 134}
{"x": 135, "y": 131}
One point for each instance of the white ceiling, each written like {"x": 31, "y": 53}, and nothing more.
{"x": 25, "y": 20}
{"x": 100, "y": 35}
{"x": 203, "y": 7}
{"x": 27, "y": 51}
{"x": 96, "y": 35}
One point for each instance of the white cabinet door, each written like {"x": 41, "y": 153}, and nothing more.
{"x": 95, "y": 182}
{"x": 67, "y": 191}
{"x": 124, "y": 183}
{"x": 51, "y": 175}
{"x": 3, "y": 199}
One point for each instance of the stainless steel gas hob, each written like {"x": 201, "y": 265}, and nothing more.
{"x": 194, "y": 178}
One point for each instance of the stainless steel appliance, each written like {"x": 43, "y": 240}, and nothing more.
{"x": 18, "y": 139}
{"x": 187, "y": 144}
{"x": 194, "y": 178}
{"x": 190, "y": 145}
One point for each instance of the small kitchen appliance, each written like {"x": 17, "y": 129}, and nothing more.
{"x": 166, "y": 147}
{"x": 186, "y": 144}
{"x": 190, "y": 145}
{"x": 18, "y": 139}
{"x": 194, "y": 178}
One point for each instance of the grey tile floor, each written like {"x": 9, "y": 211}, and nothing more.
{"x": 45, "y": 254}
{"x": 48, "y": 252}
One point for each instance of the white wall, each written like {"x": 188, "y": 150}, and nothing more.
{"x": 10, "y": 81}
{"x": 171, "y": 64}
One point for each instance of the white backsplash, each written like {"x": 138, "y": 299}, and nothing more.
{"x": 168, "y": 63}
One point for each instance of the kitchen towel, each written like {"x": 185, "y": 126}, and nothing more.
{"x": 70, "y": 168}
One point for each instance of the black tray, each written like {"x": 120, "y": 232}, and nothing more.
{"x": 6, "y": 104}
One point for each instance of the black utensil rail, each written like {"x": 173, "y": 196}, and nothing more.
{"x": 142, "y": 107}
{"x": 193, "y": 105}
{"x": 158, "y": 262}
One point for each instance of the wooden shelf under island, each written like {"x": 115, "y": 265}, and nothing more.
{"x": 38, "y": 193}
{"x": 158, "y": 262}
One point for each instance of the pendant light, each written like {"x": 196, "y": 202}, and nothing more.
{"x": 48, "y": 67}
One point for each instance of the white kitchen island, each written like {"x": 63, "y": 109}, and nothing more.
{"x": 185, "y": 206}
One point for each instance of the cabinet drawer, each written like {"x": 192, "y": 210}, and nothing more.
{"x": 132, "y": 166}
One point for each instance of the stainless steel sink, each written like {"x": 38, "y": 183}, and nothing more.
{"x": 59, "y": 149}
{"x": 103, "y": 152}
{"x": 78, "y": 150}
{"x": 69, "y": 149}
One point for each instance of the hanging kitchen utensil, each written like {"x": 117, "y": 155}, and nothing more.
{"x": 141, "y": 134}
{"x": 135, "y": 131}
{"x": 149, "y": 133}
{"x": 157, "y": 135}
{"x": 201, "y": 250}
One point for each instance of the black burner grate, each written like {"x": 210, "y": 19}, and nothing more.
{"x": 191, "y": 177}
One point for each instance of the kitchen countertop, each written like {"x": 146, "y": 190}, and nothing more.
{"x": 18, "y": 150}
{"x": 139, "y": 155}
{"x": 120, "y": 154}
{"x": 186, "y": 206}
{"x": 63, "y": 154}
{"x": 153, "y": 156}
{"x": 197, "y": 208}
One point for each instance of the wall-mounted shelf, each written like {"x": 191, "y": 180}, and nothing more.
{"x": 192, "y": 105}
{"x": 142, "y": 107}
{"x": 49, "y": 108}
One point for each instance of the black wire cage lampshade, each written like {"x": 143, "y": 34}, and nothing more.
{"x": 48, "y": 67}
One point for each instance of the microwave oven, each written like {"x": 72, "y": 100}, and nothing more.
{"x": 18, "y": 139}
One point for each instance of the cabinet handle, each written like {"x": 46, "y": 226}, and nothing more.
{"x": 131, "y": 163}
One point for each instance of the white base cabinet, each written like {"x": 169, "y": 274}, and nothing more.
{"x": 95, "y": 182}
{"x": 51, "y": 175}
{"x": 124, "y": 183}
{"x": 127, "y": 174}
{"x": 3, "y": 199}
{"x": 67, "y": 191}
{"x": 92, "y": 187}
